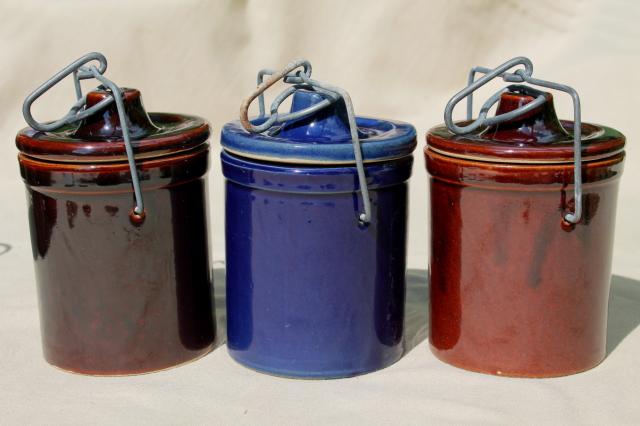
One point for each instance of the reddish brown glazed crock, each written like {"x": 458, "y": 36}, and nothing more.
{"x": 120, "y": 293}
{"x": 514, "y": 289}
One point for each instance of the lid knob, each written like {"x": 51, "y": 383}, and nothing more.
{"x": 106, "y": 123}
{"x": 330, "y": 124}
{"x": 540, "y": 125}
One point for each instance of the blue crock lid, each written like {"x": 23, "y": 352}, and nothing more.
{"x": 322, "y": 138}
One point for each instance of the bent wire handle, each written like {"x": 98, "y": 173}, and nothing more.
{"x": 262, "y": 87}
{"x": 275, "y": 117}
{"x": 301, "y": 80}
{"x": 75, "y": 113}
{"x": 82, "y": 72}
{"x": 297, "y": 82}
{"x": 467, "y": 92}
{"x": 577, "y": 144}
{"x": 288, "y": 78}
{"x": 519, "y": 76}
{"x": 117, "y": 95}
{"x": 355, "y": 139}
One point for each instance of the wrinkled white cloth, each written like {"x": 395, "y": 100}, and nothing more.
{"x": 398, "y": 59}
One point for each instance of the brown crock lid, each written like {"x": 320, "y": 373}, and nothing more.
{"x": 98, "y": 138}
{"x": 536, "y": 137}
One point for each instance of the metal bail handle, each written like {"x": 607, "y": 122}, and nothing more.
{"x": 301, "y": 80}
{"x": 521, "y": 75}
{"x": 82, "y": 71}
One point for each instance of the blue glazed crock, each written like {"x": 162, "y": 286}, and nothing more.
{"x": 312, "y": 292}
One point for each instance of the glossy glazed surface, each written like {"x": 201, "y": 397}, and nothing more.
{"x": 310, "y": 292}
{"x": 514, "y": 289}
{"x": 120, "y": 293}
{"x": 118, "y": 298}
{"x": 98, "y": 138}
{"x": 322, "y": 138}
{"x": 536, "y": 137}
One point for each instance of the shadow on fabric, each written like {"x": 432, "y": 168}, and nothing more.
{"x": 624, "y": 310}
{"x": 219, "y": 291}
{"x": 416, "y": 320}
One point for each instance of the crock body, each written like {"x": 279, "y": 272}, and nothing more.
{"x": 118, "y": 297}
{"x": 513, "y": 290}
{"x": 310, "y": 291}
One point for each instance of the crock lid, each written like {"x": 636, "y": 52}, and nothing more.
{"x": 322, "y": 138}
{"x": 99, "y": 136}
{"x": 535, "y": 137}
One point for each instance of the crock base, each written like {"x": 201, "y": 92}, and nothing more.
{"x": 514, "y": 374}
{"x": 136, "y": 373}
{"x": 311, "y": 375}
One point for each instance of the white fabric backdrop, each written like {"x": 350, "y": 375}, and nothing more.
{"x": 398, "y": 59}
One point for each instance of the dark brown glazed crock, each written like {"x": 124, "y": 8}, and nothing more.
{"x": 120, "y": 293}
{"x": 514, "y": 289}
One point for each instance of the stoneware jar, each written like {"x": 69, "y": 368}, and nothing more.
{"x": 515, "y": 288}
{"x": 120, "y": 292}
{"x": 312, "y": 290}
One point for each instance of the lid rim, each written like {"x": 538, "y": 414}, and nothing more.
{"x": 112, "y": 166}
{"x": 598, "y": 142}
{"x": 183, "y": 132}
{"x": 400, "y": 141}
{"x": 111, "y": 159}
{"x": 520, "y": 161}
{"x": 292, "y": 161}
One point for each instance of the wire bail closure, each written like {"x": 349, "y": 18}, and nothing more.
{"x": 301, "y": 80}
{"x": 78, "y": 112}
{"x": 521, "y": 75}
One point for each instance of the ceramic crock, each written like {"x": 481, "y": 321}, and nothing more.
{"x": 312, "y": 292}
{"x": 515, "y": 289}
{"x": 120, "y": 293}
